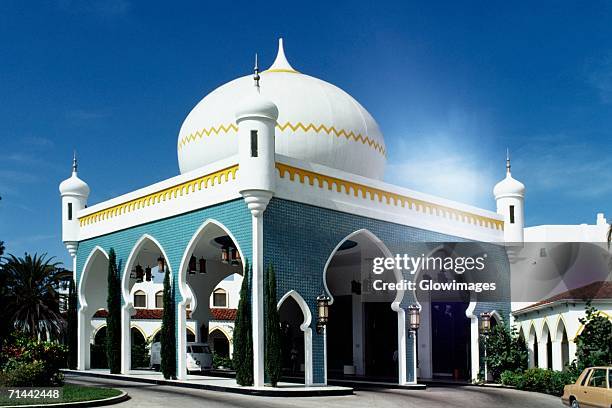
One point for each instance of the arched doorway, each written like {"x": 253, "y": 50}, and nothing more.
{"x": 92, "y": 293}
{"x": 140, "y": 353}
{"x": 563, "y": 346}
{"x": 545, "y": 348}
{"x": 143, "y": 276}
{"x": 296, "y": 336}
{"x": 211, "y": 256}
{"x": 98, "y": 349}
{"x": 219, "y": 343}
{"x": 444, "y": 339}
{"x": 362, "y": 332}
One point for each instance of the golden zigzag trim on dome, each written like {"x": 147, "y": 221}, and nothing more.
{"x": 157, "y": 197}
{"x": 363, "y": 191}
{"x": 349, "y": 135}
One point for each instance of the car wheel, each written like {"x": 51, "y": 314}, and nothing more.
{"x": 575, "y": 404}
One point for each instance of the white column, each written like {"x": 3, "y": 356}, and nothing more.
{"x": 557, "y": 356}
{"x": 83, "y": 340}
{"x": 324, "y": 355}
{"x": 475, "y": 347}
{"x": 181, "y": 372}
{"x": 257, "y": 303}
{"x": 126, "y": 343}
{"x": 308, "y": 356}
{"x": 543, "y": 354}
{"x": 531, "y": 352}
{"x": 572, "y": 351}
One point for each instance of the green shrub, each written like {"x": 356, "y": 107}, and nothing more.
{"x": 506, "y": 351}
{"x": 222, "y": 361}
{"x": 594, "y": 343}
{"x": 539, "y": 380}
{"x": 26, "y": 360}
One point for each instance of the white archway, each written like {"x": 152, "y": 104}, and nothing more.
{"x": 305, "y": 327}
{"x": 560, "y": 346}
{"x": 127, "y": 310}
{"x": 95, "y": 273}
{"x": 187, "y": 293}
{"x": 395, "y": 305}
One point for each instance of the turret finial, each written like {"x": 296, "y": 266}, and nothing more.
{"x": 74, "y": 162}
{"x": 507, "y": 161}
{"x": 256, "y": 76}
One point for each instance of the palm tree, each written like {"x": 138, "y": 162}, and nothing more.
{"x": 31, "y": 299}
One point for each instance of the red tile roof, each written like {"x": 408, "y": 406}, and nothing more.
{"x": 142, "y": 314}
{"x": 223, "y": 314}
{"x": 595, "y": 290}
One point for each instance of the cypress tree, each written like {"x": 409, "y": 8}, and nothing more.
{"x": 72, "y": 325}
{"x": 243, "y": 337}
{"x": 113, "y": 319}
{"x": 273, "y": 349}
{"x": 168, "y": 332}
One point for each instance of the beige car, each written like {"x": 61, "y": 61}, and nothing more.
{"x": 592, "y": 389}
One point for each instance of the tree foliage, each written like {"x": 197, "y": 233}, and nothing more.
{"x": 113, "y": 319}
{"x": 594, "y": 344}
{"x": 243, "y": 333}
{"x": 506, "y": 351}
{"x": 273, "y": 362}
{"x": 29, "y": 290}
{"x": 168, "y": 331}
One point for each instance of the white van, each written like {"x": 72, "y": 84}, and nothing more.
{"x": 198, "y": 358}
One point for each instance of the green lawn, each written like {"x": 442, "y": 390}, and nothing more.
{"x": 71, "y": 393}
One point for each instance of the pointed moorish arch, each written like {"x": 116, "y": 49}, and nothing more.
{"x": 305, "y": 327}
{"x": 127, "y": 309}
{"x": 187, "y": 296}
{"x": 395, "y": 305}
{"x": 84, "y": 314}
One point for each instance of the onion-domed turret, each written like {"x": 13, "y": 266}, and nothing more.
{"x": 74, "y": 192}
{"x": 317, "y": 122}
{"x": 509, "y": 196}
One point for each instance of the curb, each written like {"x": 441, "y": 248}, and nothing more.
{"x": 235, "y": 390}
{"x": 78, "y": 404}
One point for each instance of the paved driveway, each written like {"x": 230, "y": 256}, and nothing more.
{"x": 150, "y": 396}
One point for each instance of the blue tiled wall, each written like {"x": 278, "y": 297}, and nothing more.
{"x": 299, "y": 238}
{"x": 174, "y": 235}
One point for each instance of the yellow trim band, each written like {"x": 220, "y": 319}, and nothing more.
{"x": 291, "y": 71}
{"x": 349, "y": 135}
{"x": 169, "y": 193}
{"x": 390, "y": 198}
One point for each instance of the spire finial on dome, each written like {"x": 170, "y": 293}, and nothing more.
{"x": 280, "y": 63}
{"x": 256, "y": 76}
{"x": 507, "y": 161}
{"x": 74, "y": 162}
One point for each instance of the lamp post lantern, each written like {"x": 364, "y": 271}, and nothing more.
{"x": 323, "y": 312}
{"x": 485, "y": 329}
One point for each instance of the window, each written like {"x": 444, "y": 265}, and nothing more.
{"x": 219, "y": 298}
{"x": 598, "y": 378}
{"x": 584, "y": 379}
{"x": 511, "y": 214}
{"x": 69, "y": 211}
{"x": 253, "y": 143}
{"x": 159, "y": 300}
{"x": 140, "y": 299}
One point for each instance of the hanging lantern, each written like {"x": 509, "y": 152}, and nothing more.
{"x": 485, "y": 323}
{"x": 139, "y": 273}
{"x": 202, "y": 265}
{"x": 414, "y": 317}
{"x": 148, "y": 274}
{"x": 192, "y": 265}
{"x": 323, "y": 310}
{"x": 225, "y": 255}
{"x": 161, "y": 264}
{"x": 235, "y": 257}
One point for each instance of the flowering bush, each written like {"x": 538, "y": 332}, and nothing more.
{"x": 29, "y": 362}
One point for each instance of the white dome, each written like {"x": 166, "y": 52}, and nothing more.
{"x": 509, "y": 186}
{"x": 74, "y": 186}
{"x": 317, "y": 122}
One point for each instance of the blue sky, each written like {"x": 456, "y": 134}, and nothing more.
{"x": 450, "y": 84}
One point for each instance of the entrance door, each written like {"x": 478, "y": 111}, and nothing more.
{"x": 450, "y": 335}
{"x": 381, "y": 341}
